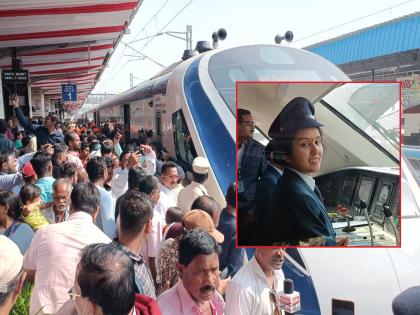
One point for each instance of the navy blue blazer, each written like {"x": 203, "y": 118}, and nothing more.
{"x": 253, "y": 165}
{"x": 264, "y": 192}
{"x": 297, "y": 213}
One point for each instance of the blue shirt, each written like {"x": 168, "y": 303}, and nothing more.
{"x": 230, "y": 255}
{"x": 21, "y": 234}
{"x": 106, "y": 217}
{"x": 6, "y": 144}
{"x": 45, "y": 184}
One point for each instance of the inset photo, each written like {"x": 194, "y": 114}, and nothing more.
{"x": 318, "y": 164}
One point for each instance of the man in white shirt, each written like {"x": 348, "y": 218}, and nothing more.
{"x": 168, "y": 180}
{"x": 55, "y": 250}
{"x": 200, "y": 171}
{"x": 149, "y": 185}
{"x": 253, "y": 289}
{"x": 97, "y": 173}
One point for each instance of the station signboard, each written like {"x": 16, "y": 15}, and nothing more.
{"x": 69, "y": 92}
{"x": 15, "y": 76}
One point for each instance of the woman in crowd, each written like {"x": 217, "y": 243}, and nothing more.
{"x": 11, "y": 225}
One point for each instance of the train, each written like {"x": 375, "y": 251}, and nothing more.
{"x": 191, "y": 107}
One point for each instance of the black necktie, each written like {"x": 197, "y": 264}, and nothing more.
{"x": 318, "y": 193}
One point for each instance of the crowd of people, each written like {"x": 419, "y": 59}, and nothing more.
{"x": 100, "y": 226}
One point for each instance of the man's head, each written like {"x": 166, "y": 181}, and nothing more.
{"x": 270, "y": 259}
{"x": 51, "y": 121}
{"x": 231, "y": 196}
{"x": 72, "y": 140}
{"x": 96, "y": 169}
{"x": 60, "y": 154}
{"x": 136, "y": 213}
{"x": 11, "y": 274}
{"x": 109, "y": 163}
{"x": 150, "y": 185}
{"x": 200, "y": 169}
{"x": 84, "y": 151}
{"x": 69, "y": 170}
{"x": 169, "y": 175}
{"x": 104, "y": 283}
{"x": 107, "y": 147}
{"x": 246, "y": 125}
{"x": 125, "y": 155}
{"x": 174, "y": 214}
{"x": 8, "y": 162}
{"x": 198, "y": 264}
{"x": 209, "y": 205}
{"x": 61, "y": 194}
{"x": 135, "y": 174}
{"x": 85, "y": 197}
{"x": 41, "y": 163}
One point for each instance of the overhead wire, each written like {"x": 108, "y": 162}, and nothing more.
{"x": 139, "y": 50}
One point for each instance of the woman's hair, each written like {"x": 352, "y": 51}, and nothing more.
{"x": 10, "y": 200}
{"x": 281, "y": 147}
{"x": 29, "y": 192}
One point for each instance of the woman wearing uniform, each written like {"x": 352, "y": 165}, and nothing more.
{"x": 297, "y": 214}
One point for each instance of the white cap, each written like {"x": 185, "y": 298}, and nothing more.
{"x": 201, "y": 165}
{"x": 11, "y": 261}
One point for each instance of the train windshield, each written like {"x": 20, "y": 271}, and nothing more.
{"x": 267, "y": 63}
{"x": 374, "y": 108}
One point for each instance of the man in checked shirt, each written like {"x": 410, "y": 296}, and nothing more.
{"x": 136, "y": 213}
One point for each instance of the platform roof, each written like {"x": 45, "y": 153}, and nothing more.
{"x": 394, "y": 36}
{"x": 63, "y": 41}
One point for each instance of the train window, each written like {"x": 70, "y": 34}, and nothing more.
{"x": 365, "y": 190}
{"x": 266, "y": 62}
{"x": 347, "y": 192}
{"x": 374, "y": 108}
{"x": 184, "y": 146}
{"x": 158, "y": 123}
{"x": 382, "y": 199}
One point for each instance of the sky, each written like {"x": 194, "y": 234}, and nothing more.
{"x": 246, "y": 22}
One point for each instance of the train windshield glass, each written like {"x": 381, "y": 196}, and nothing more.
{"x": 267, "y": 63}
{"x": 374, "y": 108}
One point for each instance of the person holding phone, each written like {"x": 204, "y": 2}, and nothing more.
{"x": 297, "y": 215}
{"x": 44, "y": 134}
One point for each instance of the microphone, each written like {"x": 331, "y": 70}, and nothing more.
{"x": 289, "y": 298}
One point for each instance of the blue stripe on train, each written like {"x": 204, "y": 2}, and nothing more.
{"x": 218, "y": 144}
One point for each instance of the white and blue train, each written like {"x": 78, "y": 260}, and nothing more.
{"x": 191, "y": 108}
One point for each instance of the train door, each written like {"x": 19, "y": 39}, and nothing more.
{"x": 126, "y": 115}
{"x": 158, "y": 125}
{"x": 184, "y": 146}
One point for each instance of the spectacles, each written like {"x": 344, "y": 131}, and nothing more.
{"x": 248, "y": 123}
{"x": 73, "y": 295}
{"x": 274, "y": 299}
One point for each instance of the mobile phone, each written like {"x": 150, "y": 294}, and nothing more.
{"x": 342, "y": 307}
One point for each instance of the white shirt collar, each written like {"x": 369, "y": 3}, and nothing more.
{"x": 276, "y": 168}
{"x": 165, "y": 189}
{"x": 306, "y": 178}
